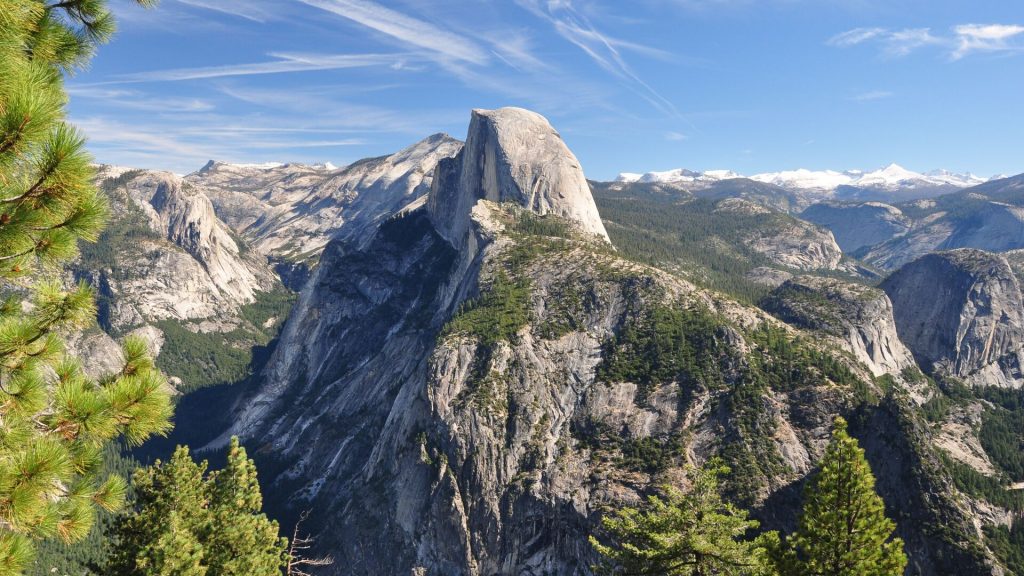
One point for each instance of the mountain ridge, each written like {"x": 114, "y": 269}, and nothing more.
{"x": 891, "y": 176}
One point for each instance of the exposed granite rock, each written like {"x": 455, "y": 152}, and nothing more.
{"x": 858, "y": 225}
{"x": 960, "y": 313}
{"x": 290, "y": 212}
{"x": 101, "y": 355}
{"x": 768, "y": 276}
{"x": 958, "y": 438}
{"x": 175, "y": 259}
{"x": 511, "y": 155}
{"x": 860, "y": 317}
{"x": 800, "y": 246}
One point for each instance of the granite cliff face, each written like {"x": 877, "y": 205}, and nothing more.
{"x": 972, "y": 222}
{"x": 511, "y": 155}
{"x": 960, "y": 313}
{"x": 290, "y": 212}
{"x": 169, "y": 257}
{"x": 463, "y": 391}
{"x": 860, "y": 225}
{"x": 988, "y": 216}
{"x": 858, "y": 316}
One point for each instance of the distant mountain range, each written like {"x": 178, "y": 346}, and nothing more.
{"x": 892, "y": 182}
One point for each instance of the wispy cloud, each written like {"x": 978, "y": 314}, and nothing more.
{"x": 903, "y": 42}
{"x": 672, "y": 136}
{"x": 871, "y": 95}
{"x": 961, "y": 41}
{"x": 293, "y": 62}
{"x": 184, "y": 146}
{"x": 602, "y": 48}
{"x": 136, "y": 100}
{"x": 894, "y": 43}
{"x": 515, "y": 49}
{"x": 405, "y": 28}
{"x": 246, "y": 9}
{"x": 986, "y": 38}
{"x": 855, "y": 36}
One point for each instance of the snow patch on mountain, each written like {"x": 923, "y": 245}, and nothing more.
{"x": 891, "y": 177}
{"x": 806, "y": 179}
{"x": 679, "y": 175}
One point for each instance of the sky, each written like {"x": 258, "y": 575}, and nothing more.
{"x": 631, "y": 85}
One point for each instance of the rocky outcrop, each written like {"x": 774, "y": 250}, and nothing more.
{"x": 960, "y": 313}
{"x": 512, "y": 155}
{"x": 289, "y": 212}
{"x": 101, "y": 355}
{"x": 860, "y": 317}
{"x": 858, "y": 225}
{"x": 167, "y": 256}
{"x": 189, "y": 221}
{"x": 785, "y": 241}
{"x": 972, "y": 222}
{"x": 797, "y": 245}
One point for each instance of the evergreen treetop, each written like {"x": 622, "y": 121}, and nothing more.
{"x": 693, "y": 533}
{"x": 843, "y": 530}
{"x": 187, "y": 521}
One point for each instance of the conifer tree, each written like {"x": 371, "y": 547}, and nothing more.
{"x": 54, "y": 421}
{"x": 693, "y": 533}
{"x": 218, "y": 528}
{"x": 843, "y": 530}
{"x": 243, "y": 541}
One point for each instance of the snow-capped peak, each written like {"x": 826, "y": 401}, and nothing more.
{"x": 805, "y": 179}
{"x": 679, "y": 175}
{"x": 212, "y": 164}
{"x": 890, "y": 176}
{"x": 721, "y": 175}
{"x": 259, "y": 165}
{"x": 965, "y": 179}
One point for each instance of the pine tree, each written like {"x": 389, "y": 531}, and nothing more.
{"x": 843, "y": 530}
{"x": 692, "y": 533}
{"x": 54, "y": 421}
{"x": 218, "y": 530}
{"x": 243, "y": 541}
{"x": 175, "y": 489}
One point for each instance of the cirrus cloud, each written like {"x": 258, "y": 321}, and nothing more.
{"x": 961, "y": 41}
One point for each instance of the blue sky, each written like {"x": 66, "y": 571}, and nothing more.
{"x": 632, "y": 85}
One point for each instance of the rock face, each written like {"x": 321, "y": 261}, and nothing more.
{"x": 290, "y": 212}
{"x": 168, "y": 257}
{"x": 960, "y": 312}
{"x": 769, "y": 195}
{"x": 973, "y": 222}
{"x": 512, "y": 155}
{"x": 462, "y": 392}
{"x": 859, "y": 225}
{"x": 859, "y": 316}
{"x": 798, "y": 245}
